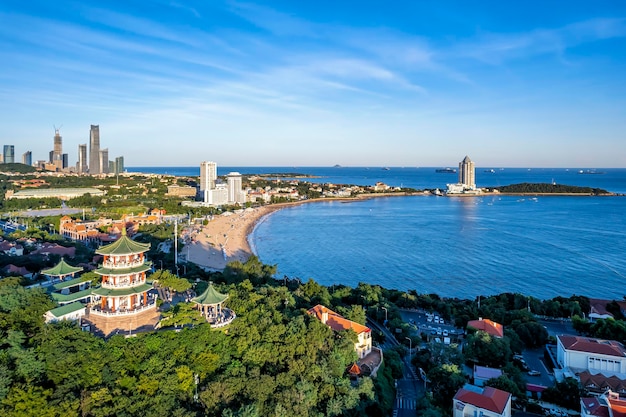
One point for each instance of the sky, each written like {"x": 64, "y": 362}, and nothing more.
{"x": 318, "y": 83}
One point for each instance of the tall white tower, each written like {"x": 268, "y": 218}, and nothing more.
{"x": 208, "y": 176}
{"x": 467, "y": 173}
{"x": 235, "y": 191}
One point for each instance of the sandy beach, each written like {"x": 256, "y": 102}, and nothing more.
{"x": 225, "y": 238}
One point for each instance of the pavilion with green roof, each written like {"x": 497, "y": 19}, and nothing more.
{"x": 210, "y": 303}
{"x": 61, "y": 270}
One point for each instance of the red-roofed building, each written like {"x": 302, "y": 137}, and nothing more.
{"x": 338, "y": 323}
{"x": 608, "y": 404}
{"x": 487, "y": 402}
{"x": 488, "y": 326}
{"x": 581, "y": 354}
{"x": 599, "y": 383}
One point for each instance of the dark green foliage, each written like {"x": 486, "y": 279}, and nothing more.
{"x": 483, "y": 349}
{"x": 566, "y": 394}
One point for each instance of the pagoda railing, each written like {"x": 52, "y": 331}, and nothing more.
{"x": 128, "y": 284}
{"x": 122, "y": 312}
{"x": 122, "y": 264}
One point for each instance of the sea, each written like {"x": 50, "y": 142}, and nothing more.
{"x": 542, "y": 246}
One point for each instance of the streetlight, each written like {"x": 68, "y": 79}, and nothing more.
{"x": 385, "y": 308}
{"x": 410, "y": 345}
{"x": 161, "y": 263}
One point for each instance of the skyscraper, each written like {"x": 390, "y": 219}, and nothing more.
{"x": 57, "y": 153}
{"x": 27, "y": 158}
{"x": 467, "y": 173}
{"x": 235, "y": 191}
{"x": 208, "y": 175}
{"x": 119, "y": 165}
{"x": 81, "y": 166}
{"x": 94, "y": 150}
{"x": 104, "y": 161}
{"x": 8, "y": 154}
{"x": 66, "y": 161}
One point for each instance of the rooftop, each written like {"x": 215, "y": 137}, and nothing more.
{"x": 491, "y": 399}
{"x": 591, "y": 345}
{"x": 66, "y": 309}
{"x": 61, "y": 269}
{"x": 335, "y": 321}
{"x": 210, "y": 296}
{"x": 486, "y": 325}
{"x": 123, "y": 246}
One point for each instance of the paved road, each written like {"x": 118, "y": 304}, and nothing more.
{"x": 408, "y": 388}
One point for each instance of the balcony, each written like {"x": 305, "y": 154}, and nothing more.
{"x": 97, "y": 310}
{"x": 122, "y": 264}
{"x": 123, "y": 284}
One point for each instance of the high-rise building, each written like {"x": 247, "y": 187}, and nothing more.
{"x": 57, "y": 153}
{"x": 235, "y": 191}
{"x": 94, "y": 150}
{"x": 8, "y": 156}
{"x": 119, "y": 165}
{"x": 104, "y": 161}
{"x": 66, "y": 161}
{"x": 51, "y": 157}
{"x": 467, "y": 173}
{"x": 208, "y": 176}
{"x": 27, "y": 158}
{"x": 81, "y": 166}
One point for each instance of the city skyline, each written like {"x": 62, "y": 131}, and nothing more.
{"x": 356, "y": 84}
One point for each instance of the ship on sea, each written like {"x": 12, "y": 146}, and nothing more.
{"x": 446, "y": 171}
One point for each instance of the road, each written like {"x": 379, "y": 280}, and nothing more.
{"x": 408, "y": 389}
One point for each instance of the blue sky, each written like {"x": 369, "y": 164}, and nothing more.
{"x": 292, "y": 83}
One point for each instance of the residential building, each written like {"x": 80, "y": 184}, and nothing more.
{"x": 363, "y": 346}
{"x": 485, "y": 402}
{"x": 208, "y": 178}
{"x": 235, "y": 190}
{"x": 94, "y": 149}
{"x": 608, "y": 404}
{"x": 488, "y": 326}
{"x": 27, "y": 158}
{"x": 81, "y": 166}
{"x": 483, "y": 374}
{"x": 119, "y": 165}
{"x": 176, "y": 190}
{"x": 8, "y": 154}
{"x": 104, "y": 161}
{"x": 579, "y": 354}
{"x": 597, "y": 384}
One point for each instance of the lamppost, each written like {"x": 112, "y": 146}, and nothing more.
{"x": 161, "y": 263}
{"x": 385, "y": 308}
{"x": 410, "y": 345}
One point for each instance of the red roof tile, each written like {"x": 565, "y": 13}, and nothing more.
{"x": 590, "y": 345}
{"x": 491, "y": 399}
{"x": 335, "y": 321}
{"x": 594, "y": 407}
{"x": 489, "y": 326}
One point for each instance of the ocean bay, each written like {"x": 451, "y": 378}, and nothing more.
{"x": 455, "y": 247}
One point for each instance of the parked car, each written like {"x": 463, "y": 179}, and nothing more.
{"x": 534, "y": 373}
{"x": 445, "y": 333}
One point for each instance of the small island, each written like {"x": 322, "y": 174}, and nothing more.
{"x": 548, "y": 189}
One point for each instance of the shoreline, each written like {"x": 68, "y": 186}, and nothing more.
{"x": 226, "y": 237}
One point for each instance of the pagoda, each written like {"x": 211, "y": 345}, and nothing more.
{"x": 123, "y": 302}
{"x": 61, "y": 271}
{"x": 210, "y": 305}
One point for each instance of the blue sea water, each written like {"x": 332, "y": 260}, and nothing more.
{"x": 456, "y": 247}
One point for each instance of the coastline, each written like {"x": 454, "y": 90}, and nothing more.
{"x": 225, "y": 238}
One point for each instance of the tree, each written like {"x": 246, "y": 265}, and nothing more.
{"x": 484, "y": 349}
{"x": 445, "y": 381}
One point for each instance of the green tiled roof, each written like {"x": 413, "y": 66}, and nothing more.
{"x": 109, "y": 292}
{"x": 66, "y": 298}
{"x": 123, "y": 246}
{"x": 61, "y": 269}
{"x": 210, "y": 296}
{"x": 66, "y": 309}
{"x": 69, "y": 283}
{"x": 146, "y": 266}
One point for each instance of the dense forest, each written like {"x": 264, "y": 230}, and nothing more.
{"x": 546, "y": 188}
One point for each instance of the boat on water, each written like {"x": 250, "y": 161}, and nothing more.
{"x": 591, "y": 171}
{"x": 446, "y": 171}
{"x": 491, "y": 171}
{"x": 385, "y": 168}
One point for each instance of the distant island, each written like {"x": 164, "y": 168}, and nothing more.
{"x": 547, "y": 188}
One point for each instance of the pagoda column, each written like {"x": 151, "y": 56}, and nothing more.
{"x": 103, "y": 303}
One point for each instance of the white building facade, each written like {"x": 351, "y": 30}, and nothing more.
{"x": 577, "y": 353}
